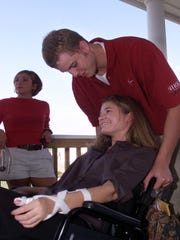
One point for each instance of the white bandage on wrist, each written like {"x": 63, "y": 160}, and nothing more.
{"x": 86, "y": 194}
{"x": 63, "y": 206}
{"x": 59, "y": 202}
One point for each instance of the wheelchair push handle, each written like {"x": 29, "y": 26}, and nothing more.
{"x": 151, "y": 185}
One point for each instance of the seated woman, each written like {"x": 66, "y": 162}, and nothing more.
{"x": 108, "y": 172}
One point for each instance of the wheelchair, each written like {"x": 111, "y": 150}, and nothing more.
{"x": 124, "y": 224}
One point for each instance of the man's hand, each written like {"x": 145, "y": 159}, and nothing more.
{"x": 162, "y": 174}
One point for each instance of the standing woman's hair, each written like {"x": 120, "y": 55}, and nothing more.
{"x": 35, "y": 80}
{"x": 140, "y": 133}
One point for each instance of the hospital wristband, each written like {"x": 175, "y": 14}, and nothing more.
{"x": 86, "y": 194}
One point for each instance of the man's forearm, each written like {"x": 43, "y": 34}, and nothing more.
{"x": 171, "y": 135}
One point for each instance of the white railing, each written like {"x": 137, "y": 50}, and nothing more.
{"x": 66, "y": 148}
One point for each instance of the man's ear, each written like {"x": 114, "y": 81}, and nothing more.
{"x": 84, "y": 46}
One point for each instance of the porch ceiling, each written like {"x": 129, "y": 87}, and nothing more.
{"x": 172, "y": 8}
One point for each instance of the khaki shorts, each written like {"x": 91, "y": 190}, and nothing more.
{"x": 26, "y": 164}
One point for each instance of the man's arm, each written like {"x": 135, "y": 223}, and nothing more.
{"x": 160, "y": 169}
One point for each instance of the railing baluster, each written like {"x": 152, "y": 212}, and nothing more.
{"x": 78, "y": 151}
{"x": 55, "y": 160}
{"x": 67, "y": 154}
{"x": 67, "y": 142}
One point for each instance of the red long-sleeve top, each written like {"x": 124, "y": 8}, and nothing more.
{"x": 24, "y": 120}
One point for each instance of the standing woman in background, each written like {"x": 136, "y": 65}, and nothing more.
{"x": 27, "y": 134}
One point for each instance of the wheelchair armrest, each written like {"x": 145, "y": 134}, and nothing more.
{"x": 98, "y": 210}
{"x": 110, "y": 214}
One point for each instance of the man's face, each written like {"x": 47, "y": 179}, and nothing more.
{"x": 80, "y": 63}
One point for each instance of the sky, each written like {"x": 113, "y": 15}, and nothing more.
{"x": 24, "y": 24}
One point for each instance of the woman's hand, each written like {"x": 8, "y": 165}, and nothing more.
{"x": 31, "y": 214}
{"x": 47, "y": 137}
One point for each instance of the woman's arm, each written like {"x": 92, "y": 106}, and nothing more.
{"x": 102, "y": 194}
{"x": 3, "y": 138}
{"x": 31, "y": 214}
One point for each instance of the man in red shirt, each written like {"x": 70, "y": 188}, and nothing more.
{"x": 125, "y": 66}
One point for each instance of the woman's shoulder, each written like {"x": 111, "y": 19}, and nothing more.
{"x": 124, "y": 145}
{"x": 40, "y": 102}
{"x": 93, "y": 152}
{"x": 16, "y": 99}
{"x": 7, "y": 100}
{"x": 143, "y": 152}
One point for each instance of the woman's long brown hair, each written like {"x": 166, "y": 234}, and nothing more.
{"x": 140, "y": 132}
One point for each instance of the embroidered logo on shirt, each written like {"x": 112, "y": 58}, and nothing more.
{"x": 130, "y": 81}
{"x": 174, "y": 88}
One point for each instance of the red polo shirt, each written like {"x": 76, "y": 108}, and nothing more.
{"x": 136, "y": 68}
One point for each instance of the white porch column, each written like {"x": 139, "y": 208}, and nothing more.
{"x": 157, "y": 34}
{"x": 156, "y": 23}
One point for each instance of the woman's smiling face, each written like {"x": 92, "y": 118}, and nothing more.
{"x": 113, "y": 121}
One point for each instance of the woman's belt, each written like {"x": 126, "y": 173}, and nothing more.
{"x": 31, "y": 147}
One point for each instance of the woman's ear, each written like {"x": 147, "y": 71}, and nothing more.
{"x": 34, "y": 87}
{"x": 130, "y": 116}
